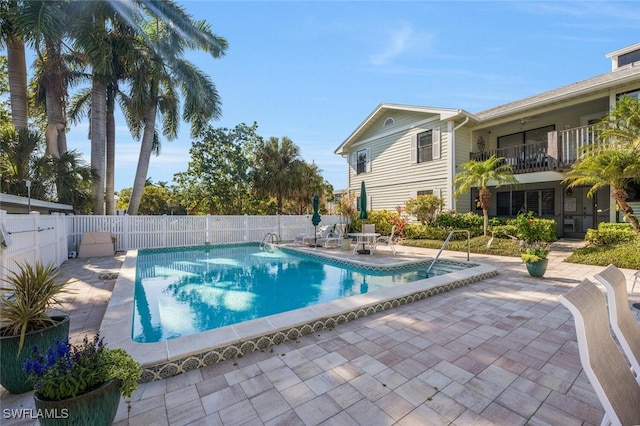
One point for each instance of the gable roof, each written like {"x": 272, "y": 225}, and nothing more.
{"x": 385, "y": 108}
{"x": 590, "y": 86}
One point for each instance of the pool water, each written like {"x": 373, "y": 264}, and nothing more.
{"x": 179, "y": 292}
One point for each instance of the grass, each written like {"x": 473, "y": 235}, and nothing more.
{"x": 623, "y": 255}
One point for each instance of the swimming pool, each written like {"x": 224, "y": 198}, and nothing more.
{"x": 179, "y": 292}
{"x": 170, "y": 357}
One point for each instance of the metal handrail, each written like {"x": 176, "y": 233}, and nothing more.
{"x": 272, "y": 237}
{"x": 445, "y": 244}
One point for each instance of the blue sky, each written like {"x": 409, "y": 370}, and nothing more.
{"x": 313, "y": 71}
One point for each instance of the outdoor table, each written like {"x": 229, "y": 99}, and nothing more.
{"x": 363, "y": 238}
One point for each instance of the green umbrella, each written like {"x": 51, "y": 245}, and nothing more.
{"x": 315, "y": 219}
{"x": 363, "y": 202}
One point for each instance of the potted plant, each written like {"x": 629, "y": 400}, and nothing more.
{"x": 25, "y": 299}
{"x": 535, "y": 258}
{"x": 81, "y": 384}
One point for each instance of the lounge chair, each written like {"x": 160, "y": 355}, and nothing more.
{"x": 332, "y": 239}
{"x": 388, "y": 240}
{"x": 306, "y": 239}
{"x": 604, "y": 365}
{"x": 624, "y": 324}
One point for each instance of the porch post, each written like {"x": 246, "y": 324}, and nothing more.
{"x": 553, "y": 149}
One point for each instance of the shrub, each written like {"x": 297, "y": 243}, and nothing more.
{"x": 610, "y": 233}
{"x": 504, "y": 231}
{"x": 530, "y": 229}
{"x": 424, "y": 207}
{"x": 66, "y": 370}
{"x": 452, "y": 220}
{"x": 382, "y": 219}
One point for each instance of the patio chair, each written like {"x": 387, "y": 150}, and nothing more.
{"x": 306, "y": 239}
{"x": 370, "y": 228}
{"x": 604, "y": 365}
{"x": 332, "y": 239}
{"x": 388, "y": 240}
{"x": 624, "y": 324}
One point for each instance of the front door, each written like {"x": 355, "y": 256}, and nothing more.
{"x": 581, "y": 212}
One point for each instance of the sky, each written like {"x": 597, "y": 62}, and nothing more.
{"x": 314, "y": 71}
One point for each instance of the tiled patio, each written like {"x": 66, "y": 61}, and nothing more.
{"x": 499, "y": 351}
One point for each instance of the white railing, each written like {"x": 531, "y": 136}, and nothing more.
{"x": 50, "y": 238}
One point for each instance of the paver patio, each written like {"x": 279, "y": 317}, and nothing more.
{"x": 500, "y": 351}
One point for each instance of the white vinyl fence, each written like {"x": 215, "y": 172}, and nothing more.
{"x": 50, "y": 238}
{"x": 32, "y": 237}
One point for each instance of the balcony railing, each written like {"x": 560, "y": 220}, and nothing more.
{"x": 561, "y": 149}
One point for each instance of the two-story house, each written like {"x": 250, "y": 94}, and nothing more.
{"x": 402, "y": 151}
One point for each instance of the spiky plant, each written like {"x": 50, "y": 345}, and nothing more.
{"x": 30, "y": 292}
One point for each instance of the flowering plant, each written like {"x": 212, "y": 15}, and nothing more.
{"x": 67, "y": 370}
{"x": 535, "y": 252}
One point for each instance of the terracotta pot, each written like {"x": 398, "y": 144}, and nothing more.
{"x": 96, "y": 408}
{"x": 12, "y": 374}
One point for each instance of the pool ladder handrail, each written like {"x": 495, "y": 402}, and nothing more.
{"x": 435, "y": 259}
{"x": 274, "y": 239}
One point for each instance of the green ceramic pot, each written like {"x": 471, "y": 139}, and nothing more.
{"x": 537, "y": 269}
{"x": 12, "y": 374}
{"x": 96, "y": 408}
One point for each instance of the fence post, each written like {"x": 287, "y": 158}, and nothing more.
{"x": 125, "y": 232}
{"x": 208, "y": 237}
{"x": 4, "y": 260}
{"x": 246, "y": 227}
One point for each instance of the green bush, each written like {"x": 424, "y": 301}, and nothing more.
{"x": 531, "y": 229}
{"x": 424, "y": 207}
{"x": 504, "y": 231}
{"x": 417, "y": 231}
{"x": 610, "y": 233}
{"x": 452, "y": 220}
{"x": 382, "y": 219}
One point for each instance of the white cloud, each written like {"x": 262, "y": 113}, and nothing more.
{"x": 396, "y": 44}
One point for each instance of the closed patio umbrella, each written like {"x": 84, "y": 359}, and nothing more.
{"x": 363, "y": 202}
{"x": 315, "y": 219}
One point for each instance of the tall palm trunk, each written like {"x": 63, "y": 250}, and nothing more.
{"x": 17, "y": 68}
{"x": 98, "y": 143}
{"x": 109, "y": 193}
{"x": 54, "y": 85}
{"x": 621, "y": 196}
{"x": 143, "y": 161}
{"x": 485, "y": 200}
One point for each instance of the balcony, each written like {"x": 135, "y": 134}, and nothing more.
{"x": 561, "y": 149}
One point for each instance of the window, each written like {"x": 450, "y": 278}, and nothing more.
{"x": 426, "y": 192}
{"x": 628, "y": 58}
{"x": 388, "y": 122}
{"x": 425, "y": 146}
{"x": 529, "y": 136}
{"x": 361, "y": 161}
{"x": 540, "y": 202}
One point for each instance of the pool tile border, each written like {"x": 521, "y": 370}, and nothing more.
{"x": 172, "y": 357}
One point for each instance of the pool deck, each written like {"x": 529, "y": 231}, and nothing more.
{"x": 498, "y": 351}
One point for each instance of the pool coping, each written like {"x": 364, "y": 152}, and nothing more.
{"x": 175, "y": 356}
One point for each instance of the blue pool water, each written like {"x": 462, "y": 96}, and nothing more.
{"x": 184, "y": 291}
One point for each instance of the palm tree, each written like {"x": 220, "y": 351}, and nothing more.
{"x": 480, "y": 174}
{"x": 278, "y": 170}
{"x": 161, "y": 70}
{"x": 44, "y": 25}
{"x": 605, "y": 165}
{"x": 16, "y": 64}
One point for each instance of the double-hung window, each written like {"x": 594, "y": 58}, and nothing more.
{"x": 425, "y": 146}
{"x": 361, "y": 161}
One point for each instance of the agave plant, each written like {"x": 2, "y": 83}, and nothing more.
{"x": 30, "y": 292}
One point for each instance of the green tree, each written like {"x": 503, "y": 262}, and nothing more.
{"x": 278, "y": 171}
{"x": 479, "y": 174}
{"x": 156, "y": 200}
{"x": 217, "y": 178}
{"x": 161, "y": 73}
{"x": 604, "y": 165}
{"x": 424, "y": 207}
